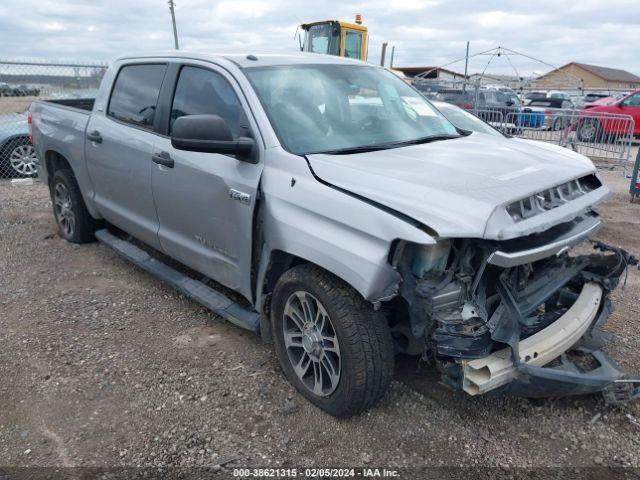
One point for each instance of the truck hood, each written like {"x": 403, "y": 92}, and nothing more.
{"x": 456, "y": 186}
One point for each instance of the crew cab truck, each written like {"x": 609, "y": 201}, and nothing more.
{"x": 333, "y": 209}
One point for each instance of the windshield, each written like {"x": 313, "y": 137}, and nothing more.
{"x": 465, "y": 120}
{"x": 535, "y": 96}
{"x": 326, "y": 108}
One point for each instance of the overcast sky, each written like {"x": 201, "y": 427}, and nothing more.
{"x": 424, "y": 32}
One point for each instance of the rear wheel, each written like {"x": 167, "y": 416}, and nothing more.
{"x": 589, "y": 130}
{"x": 75, "y": 223}
{"x": 333, "y": 347}
{"x": 558, "y": 124}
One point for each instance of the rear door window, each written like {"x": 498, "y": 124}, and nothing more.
{"x": 135, "y": 94}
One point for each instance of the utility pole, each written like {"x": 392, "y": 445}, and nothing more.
{"x": 383, "y": 54}
{"x": 393, "y": 50}
{"x": 173, "y": 20}
{"x": 466, "y": 66}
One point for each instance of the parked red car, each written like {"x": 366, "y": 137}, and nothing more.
{"x": 609, "y": 126}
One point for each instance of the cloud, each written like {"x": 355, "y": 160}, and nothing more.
{"x": 53, "y": 26}
{"x": 424, "y": 32}
{"x": 408, "y": 5}
{"x": 241, "y": 9}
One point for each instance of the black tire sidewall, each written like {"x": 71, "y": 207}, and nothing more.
{"x": 596, "y": 131}
{"x": 337, "y": 403}
{"x": 84, "y": 223}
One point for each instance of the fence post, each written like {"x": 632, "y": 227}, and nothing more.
{"x": 634, "y": 186}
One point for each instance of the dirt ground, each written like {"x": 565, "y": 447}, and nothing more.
{"x": 103, "y": 365}
{"x": 16, "y": 104}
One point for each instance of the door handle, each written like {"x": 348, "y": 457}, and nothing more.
{"x": 94, "y": 136}
{"x": 163, "y": 158}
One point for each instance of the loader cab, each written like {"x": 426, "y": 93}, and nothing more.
{"x": 333, "y": 37}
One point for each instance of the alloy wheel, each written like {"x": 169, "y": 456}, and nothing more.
{"x": 63, "y": 208}
{"x": 23, "y": 160}
{"x": 588, "y": 131}
{"x": 311, "y": 343}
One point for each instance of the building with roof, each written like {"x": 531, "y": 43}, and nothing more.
{"x": 576, "y": 75}
{"x": 431, "y": 72}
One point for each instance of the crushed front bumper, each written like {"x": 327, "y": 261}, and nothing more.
{"x": 484, "y": 374}
{"x": 532, "y": 375}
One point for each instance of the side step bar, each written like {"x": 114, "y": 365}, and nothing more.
{"x": 201, "y": 293}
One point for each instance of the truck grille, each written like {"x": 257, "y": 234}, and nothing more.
{"x": 551, "y": 198}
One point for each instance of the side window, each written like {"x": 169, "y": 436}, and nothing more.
{"x": 200, "y": 91}
{"x": 352, "y": 44}
{"x": 135, "y": 94}
{"x": 501, "y": 98}
{"x": 633, "y": 101}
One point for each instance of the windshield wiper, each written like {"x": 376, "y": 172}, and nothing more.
{"x": 387, "y": 146}
{"x": 430, "y": 138}
{"x": 361, "y": 149}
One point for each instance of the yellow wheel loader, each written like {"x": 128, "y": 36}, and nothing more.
{"x": 334, "y": 37}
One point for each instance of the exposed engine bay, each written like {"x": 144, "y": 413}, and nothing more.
{"x": 519, "y": 317}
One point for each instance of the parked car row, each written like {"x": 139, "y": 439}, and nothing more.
{"x": 7, "y": 90}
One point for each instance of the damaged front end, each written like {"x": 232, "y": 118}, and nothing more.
{"x": 519, "y": 317}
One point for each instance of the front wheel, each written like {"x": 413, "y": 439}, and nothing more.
{"x": 333, "y": 347}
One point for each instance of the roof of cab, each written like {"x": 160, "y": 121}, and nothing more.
{"x": 243, "y": 60}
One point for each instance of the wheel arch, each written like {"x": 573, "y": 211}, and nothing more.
{"x": 54, "y": 161}
{"x": 275, "y": 262}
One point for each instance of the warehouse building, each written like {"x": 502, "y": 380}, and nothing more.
{"x": 576, "y": 75}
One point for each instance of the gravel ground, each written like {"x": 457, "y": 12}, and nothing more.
{"x": 103, "y": 365}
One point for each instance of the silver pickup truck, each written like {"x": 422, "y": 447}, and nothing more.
{"x": 326, "y": 204}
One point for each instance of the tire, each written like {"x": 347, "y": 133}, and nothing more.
{"x": 19, "y": 158}
{"x": 589, "y": 131}
{"x": 351, "y": 353}
{"x": 75, "y": 223}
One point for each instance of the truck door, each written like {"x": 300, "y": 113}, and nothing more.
{"x": 119, "y": 151}
{"x": 205, "y": 201}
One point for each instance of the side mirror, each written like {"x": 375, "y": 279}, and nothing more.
{"x": 510, "y": 103}
{"x": 211, "y": 134}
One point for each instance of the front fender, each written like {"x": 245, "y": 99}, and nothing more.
{"x": 332, "y": 229}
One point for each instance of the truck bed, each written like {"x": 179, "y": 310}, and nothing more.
{"x": 65, "y": 123}
{"x": 79, "y": 103}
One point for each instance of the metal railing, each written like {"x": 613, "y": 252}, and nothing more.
{"x": 606, "y": 138}
{"x": 22, "y": 82}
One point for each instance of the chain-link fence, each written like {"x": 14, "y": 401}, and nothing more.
{"x": 22, "y": 82}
